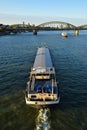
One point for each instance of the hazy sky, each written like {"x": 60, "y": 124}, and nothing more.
{"x": 39, "y": 11}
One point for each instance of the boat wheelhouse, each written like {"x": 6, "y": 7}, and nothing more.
{"x": 42, "y": 88}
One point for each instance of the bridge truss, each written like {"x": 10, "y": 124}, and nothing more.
{"x": 83, "y": 27}
{"x": 57, "y": 25}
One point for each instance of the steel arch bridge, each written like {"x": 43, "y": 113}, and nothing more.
{"x": 83, "y": 26}
{"x": 57, "y": 25}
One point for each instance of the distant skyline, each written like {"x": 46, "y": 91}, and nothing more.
{"x": 39, "y": 11}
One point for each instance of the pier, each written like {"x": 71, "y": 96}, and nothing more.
{"x": 76, "y": 32}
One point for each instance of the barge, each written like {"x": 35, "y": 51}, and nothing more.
{"x": 42, "y": 88}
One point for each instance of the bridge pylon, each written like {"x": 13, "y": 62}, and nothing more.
{"x": 76, "y": 32}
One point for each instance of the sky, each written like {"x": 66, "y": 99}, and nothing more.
{"x": 40, "y": 11}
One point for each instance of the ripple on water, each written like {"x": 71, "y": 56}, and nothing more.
{"x": 42, "y": 120}
{"x": 69, "y": 56}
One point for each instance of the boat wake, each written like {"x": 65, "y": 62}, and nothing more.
{"x": 42, "y": 120}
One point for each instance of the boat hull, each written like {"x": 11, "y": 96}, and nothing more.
{"x": 41, "y": 103}
{"x": 64, "y": 34}
{"x": 42, "y": 88}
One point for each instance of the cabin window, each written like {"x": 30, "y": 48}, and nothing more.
{"x": 51, "y": 69}
{"x": 33, "y": 74}
{"x": 42, "y": 74}
{"x": 33, "y": 96}
{"x": 52, "y": 76}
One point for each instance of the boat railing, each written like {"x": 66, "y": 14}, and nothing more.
{"x": 33, "y": 82}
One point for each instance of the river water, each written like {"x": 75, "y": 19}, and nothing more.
{"x": 69, "y": 55}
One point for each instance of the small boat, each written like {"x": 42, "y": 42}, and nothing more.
{"x": 34, "y": 32}
{"x": 64, "y": 34}
{"x": 42, "y": 88}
